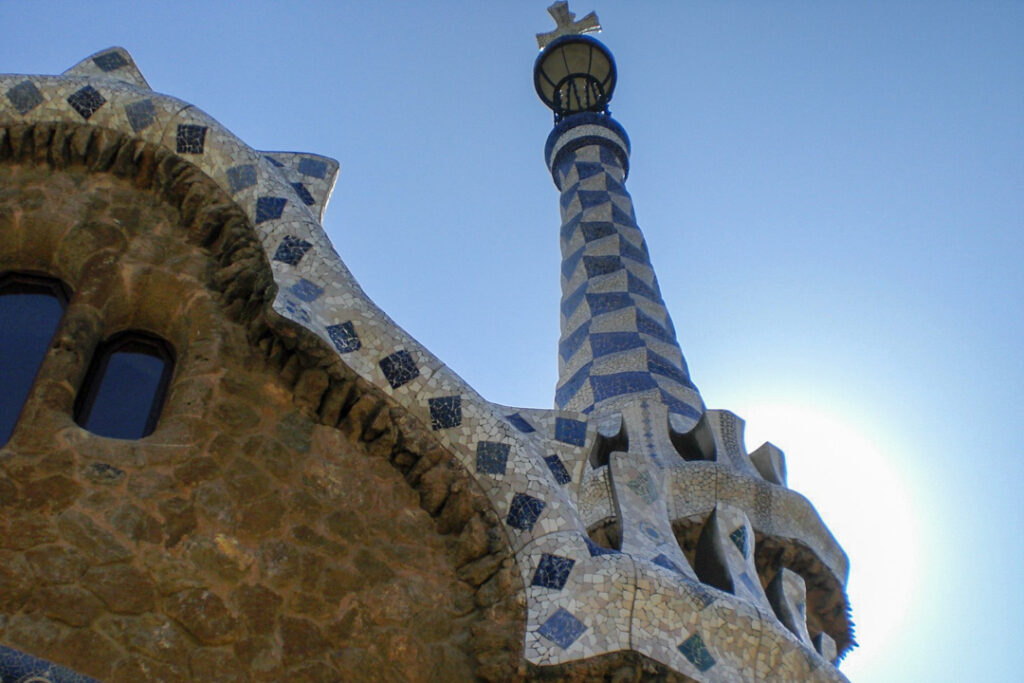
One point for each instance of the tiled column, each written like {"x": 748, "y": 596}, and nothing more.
{"x": 618, "y": 346}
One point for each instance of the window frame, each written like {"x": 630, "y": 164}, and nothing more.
{"x": 130, "y": 341}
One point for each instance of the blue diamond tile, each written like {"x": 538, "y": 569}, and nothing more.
{"x": 303, "y": 194}
{"x": 25, "y": 97}
{"x": 663, "y": 561}
{"x": 306, "y": 290}
{"x": 557, "y": 468}
{"x": 520, "y": 423}
{"x": 241, "y": 177}
{"x": 445, "y": 412}
{"x": 553, "y": 571}
{"x": 140, "y": 114}
{"x": 108, "y": 61}
{"x": 595, "y": 230}
{"x": 269, "y": 208}
{"x": 607, "y": 386}
{"x": 568, "y": 347}
{"x": 399, "y": 368}
{"x": 608, "y": 302}
{"x": 739, "y": 539}
{"x": 312, "y": 167}
{"x": 569, "y": 227}
{"x": 344, "y": 337}
{"x": 291, "y": 250}
{"x": 565, "y": 392}
{"x": 570, "y": 431}
{"x": 605, "y": 343}
{"x": 596, "y": 550}
{"x": 524, "y": 511}
{"x": 601, "y": 265}
{"x": 86, "y": 101}
{"x": 565, "y": 199}
{"x": 562, "y": 628}
{"x": 190, "y": 138}
{"x": 491, "y": 457}
{"x": 694, "y": 649}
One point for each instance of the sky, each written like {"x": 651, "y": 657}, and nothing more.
{"x": 833, "y": 196}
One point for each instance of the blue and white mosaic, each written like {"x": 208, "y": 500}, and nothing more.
{"x": 542, "y": 470}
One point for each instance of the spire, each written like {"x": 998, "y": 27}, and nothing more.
{"x": 618, "y": 345}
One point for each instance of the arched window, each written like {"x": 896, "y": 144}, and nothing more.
{"x": 30, "y": 309}
{"x": 125, "y": 387}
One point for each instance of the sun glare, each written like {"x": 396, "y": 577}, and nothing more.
{"x": 861, "y": 498}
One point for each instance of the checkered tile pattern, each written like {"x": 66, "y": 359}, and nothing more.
{"x": 617, "y": 339}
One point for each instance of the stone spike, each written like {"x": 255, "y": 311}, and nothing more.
{"x": 114, "y": 63}
{"x": 787, "y": 594}
{"x": 725, "y": 555}
{"x": 770, "y": 462}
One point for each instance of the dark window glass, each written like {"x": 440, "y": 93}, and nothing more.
{"x": 30, "y": 309}
{"x": 125, "y": 386}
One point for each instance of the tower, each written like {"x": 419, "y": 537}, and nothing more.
{"x": 313, "y": 494}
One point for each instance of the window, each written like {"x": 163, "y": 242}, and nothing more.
{"x": 30, "y": 310}
{"x": 125, "y": 387}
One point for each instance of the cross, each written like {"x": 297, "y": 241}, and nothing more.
{"x": 565, "y": 23}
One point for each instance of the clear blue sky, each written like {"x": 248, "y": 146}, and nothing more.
{"x": 833, "y": 194}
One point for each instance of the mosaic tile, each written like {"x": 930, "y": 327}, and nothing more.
{"x": 590, "y": 199}
{"x": 621, "y": 217}
{"x": 108, "y": 61}
{"x": 291, "y": 250}
{"x": 587, "y": 169}
{"x": 679, "y": 407}
{"x": 517, "y": 421}
{"x": 607, "y": 386}
{"x": 240, "y": 177}
{"x": 190, "y": 138}
{"x": 571, "y": 344}
{"x": 553, "y": 571}
{"x": 649, "y": 326}
{"x": 344, "y": 337}
{"x": 627, "y": 250}
{"x": 637, "y": 286}
{"x": 569, "y": 263}
{"x": 595, "y": 230}
{"x": 303, "y": 194}
{"x": 572, "y": 302}
{"x": 20, "y": 667}
{"x": 644, "y": 487}
{"x": 399, "y": 368}
{"x": 570, "y": 431}
{"x": 662, "y": 560}
{"x": 273, "y": 161}
{"x": 445, "y": 412}
{"x": 596, "y": 551}
{"x": 524, "y": 511}
{"x": 562, "y": 628}
{"x": 306, "y": 290}
{"x": 605, "y": 343}
{"x": 86, "y": 101}
{"x": 25, "y": 97}
{"x": 572, "y": 386}
{"x": 557, "y": 468}
{"x": 601, "y": 265}
{"x": 141, "y": 114}
{"x": 491, "y": 457}
{"x": 312, "y": 167}
{"x": 269, "y": 208}
{"x": 606, "y": 303}
{"x": 694, "y": 649}
{"x": 739, "y": 538}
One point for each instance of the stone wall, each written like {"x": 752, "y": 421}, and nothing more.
{"x": 283, "y": 521}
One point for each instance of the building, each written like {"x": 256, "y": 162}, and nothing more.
{"x": 223, "y": 462}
